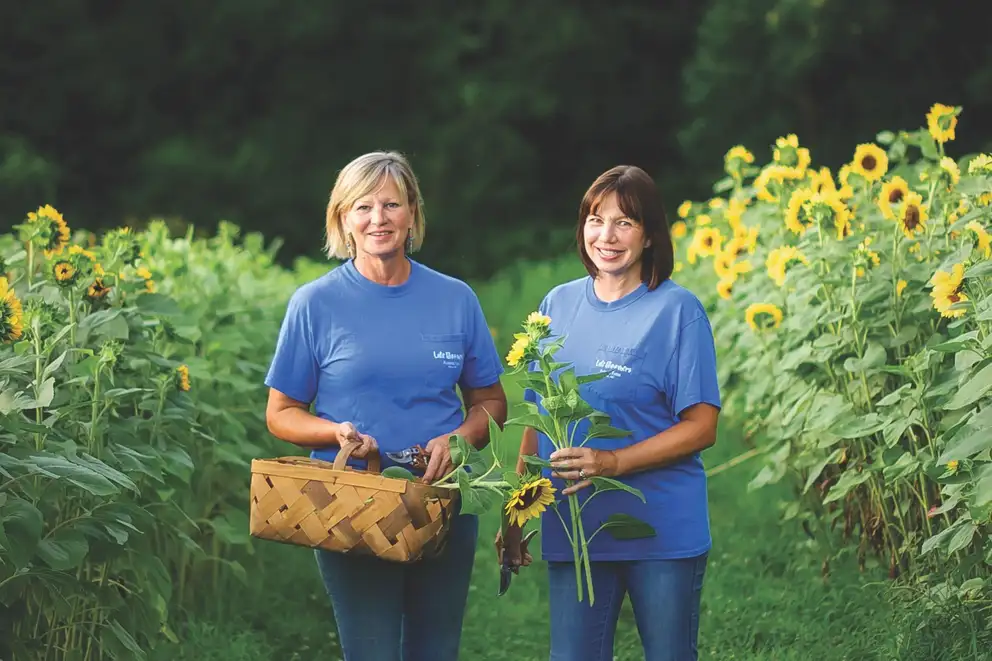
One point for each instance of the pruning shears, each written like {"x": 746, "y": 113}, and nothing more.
{"x": 415, "y": 457}
{"x": 508, "y": 569}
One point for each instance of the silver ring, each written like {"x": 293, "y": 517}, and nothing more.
{"x": 582, "y": 473}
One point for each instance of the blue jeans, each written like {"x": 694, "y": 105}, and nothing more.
{"x": 388, "y": 611}
{"x": 665, "y": 595}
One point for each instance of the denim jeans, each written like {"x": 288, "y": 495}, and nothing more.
{"x": 388, "y": 611}
{"x": 665, "y": 595}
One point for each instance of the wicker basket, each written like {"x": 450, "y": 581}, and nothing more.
{"x": 313, "y": 503}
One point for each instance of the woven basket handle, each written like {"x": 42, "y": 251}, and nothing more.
{"x": 345, "y": 452}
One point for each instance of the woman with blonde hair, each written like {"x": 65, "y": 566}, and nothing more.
{"x": 379, "y": 347}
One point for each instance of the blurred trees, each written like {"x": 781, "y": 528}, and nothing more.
{"x": 246, "y": 109}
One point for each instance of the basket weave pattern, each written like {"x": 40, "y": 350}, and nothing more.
{"x": 313, "y": 503}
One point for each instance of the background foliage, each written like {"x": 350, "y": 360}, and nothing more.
{"x": 245, "y": 109}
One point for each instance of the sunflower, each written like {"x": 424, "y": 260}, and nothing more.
{"x": 735, "y": 212}
{"x": 761, "y": 316}
{"x": 64, "y": 273}
{"x": 97, "y": 290}
{"x": 770, "y": 182}
{"x": 684, "y": 209}
{"x": 182, "y": 378}
{"x": 11, "y": 314}
{"x": 981, "y": 164}
{"x": 49, "y": 227}
{"x": 520, "y": 347}
{"x": 984, "y": 238}
{"x": 529, "y": 501}
{"x": 537, "y": 321}
{"x": 865, "y": 256}
{"x": 725, "y": 287}
{"x": 951, "y": 170}
{"x": 912, "y": 215}
{"x": 941, "y": 121}
{"x": 778, "y": 260}
{"x": 797, "y": 216}
{"x": 826, "y": 209}
{"x": 893, "y": 192}
{"x": 704, "y": 219}
{"x": 947, "y": 291}
{"x": 870, "y": 161}
{"x": 743, "y": 243}
{"x": 706, "y": 242}
{"x": 679, "y": 230}
{"x": 900, "y": 286}
{"x": 789, "y": 154}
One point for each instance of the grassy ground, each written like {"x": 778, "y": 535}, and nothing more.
{"x": 764, "y": 599}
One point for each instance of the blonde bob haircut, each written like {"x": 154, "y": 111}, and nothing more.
{"x": 364, "y": 176}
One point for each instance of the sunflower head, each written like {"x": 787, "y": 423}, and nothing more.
{"x": 941, "y": 122}
{"x": 47, "y": 229}
{"x": 679, "y": 230}
{"x": 981, "y": 164}
{"x": 182, "y": 378}
{"x": 948, "y": 291}
{"x": 912, "y": 215}
{"x": 870, "y": 161}
{"x": 983, "y": 238}
{"x": 725, "y": 287}
{"x": 893, "y": 192}
{"x": 735, "y": 160}
{"x": 763, "y": 316}
{"x": 707, "y": 242}
{"x": 797, "y": 217}
{"x": 11, "y": 314}
{"x": 529, "y": 500}
{"x": 950, "y": 171}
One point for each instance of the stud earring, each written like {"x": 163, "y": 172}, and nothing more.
{"x": 350, "y": 243}
{"x": 409, "y": 241}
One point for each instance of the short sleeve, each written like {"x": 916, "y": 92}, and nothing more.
{"x": 691, "y": 376}
{"x": 481, "y": 366}
{"x": 294, "y": 370}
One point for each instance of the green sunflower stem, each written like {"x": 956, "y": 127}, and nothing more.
{"x": 30, "y": 273}
{"x": 72, "y": 317}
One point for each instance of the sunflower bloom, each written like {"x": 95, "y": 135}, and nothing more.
{"x": 707, "y": 241}
{"x": 900, "y": 286}
{"x": 97, "y": 290}
{"x": 947, "y": 291}
{"x": 797, "y": 217}
{"x": 870, "y": 161}
{"x": 679, "y": 230}
{"x": 761, "y": 316}
{"x": 521, "y": 345}
{"x": 789, "y": 154}
{"x": 64, "y": 272}
{"x": 981, "y": 164}
{"x": 537, "y": 320}
{"x": 893, "y": 192}
{"x": 11, "y": 314}
{"x": 778, "y": 260}
{"x": 941, "y": 121}
{"x": 984, "y": 238}
{"x": 182, "y": 378}
{"x": 725, "y": 287}
{"x": 912, "y": 215}
{"x": 529, "y": 501}
{"x": 684, "y": 209}
{"x": 952, "y": 170}
{"x": 50, "y": 228}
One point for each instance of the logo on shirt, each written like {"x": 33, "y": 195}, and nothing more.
{"x": 614, "y": 369}
{"x": 449, "y": 358}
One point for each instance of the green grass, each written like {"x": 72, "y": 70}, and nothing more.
{"x": 764, "y": 598}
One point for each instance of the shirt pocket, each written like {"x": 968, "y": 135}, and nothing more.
{"x": 445, "y": 358}
{"x": 625, "y": 378}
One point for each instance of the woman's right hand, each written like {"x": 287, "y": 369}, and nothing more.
{"x": 347, "y": 433}
{"x": 514, "y": 547}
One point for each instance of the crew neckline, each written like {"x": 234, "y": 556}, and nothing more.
{"x": 382, "y": 290}
{"x": 609, "y": 306}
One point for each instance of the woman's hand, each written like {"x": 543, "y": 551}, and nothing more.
{"x": 347, "y": 433}
{"x": 581, "y": 464}
{"x": 514, "y": 546}
{"x": 440, "y": 463}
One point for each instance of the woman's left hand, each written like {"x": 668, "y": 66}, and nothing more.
{"x": 581, "y": 464}
{"x": 439, "y": 464}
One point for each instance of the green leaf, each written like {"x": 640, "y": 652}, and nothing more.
{"x": 961, "y": 538}
{"x": 590, "y": 378}
{"x": 63, "y": 550}
{"x": 399, "y": 473}
{"x": 966, "y": 444}
{"x": 81, "y": 476}
{"x": 567, "y": 380}
{"x": 817, "y": 469}
{"x": 602, "y": 430}
{"x": 22, "y": 523}
{"x": 849, "y": 480}
{"x": 512, "y": 478}
{"x": 853, "y": 427}
{"x": 108, "y": 324}
{"x": 534, "y": 460}
{"x": 625, "y": 527}
{"x": 609, "y": 484}
{"x": 935, "y": 541}
{"x": 158, "y": 304}
{"x": 116, "y": 640}
{"x": 960, "y": 342}
{"x": 972, "y": 390}
{"x": 45, "y": 395}
{"x": 905, "y": 466}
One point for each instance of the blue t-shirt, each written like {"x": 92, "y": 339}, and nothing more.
{"x": 658, "y": 347}
{"x": 386, "y": 358}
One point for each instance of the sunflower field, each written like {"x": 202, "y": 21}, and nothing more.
{"x": 853, "y": 313}
{"x": 130, "y": 367}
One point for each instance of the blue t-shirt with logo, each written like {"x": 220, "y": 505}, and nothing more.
{"x": 386, "y": 358}
{"x": 659, "y": 351}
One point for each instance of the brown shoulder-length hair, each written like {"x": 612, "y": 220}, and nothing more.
{"x": 640, "y": 200}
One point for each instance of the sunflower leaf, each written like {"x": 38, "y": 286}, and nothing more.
{"x": 609, "y": 484}
{"x": 624, "y": 527}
